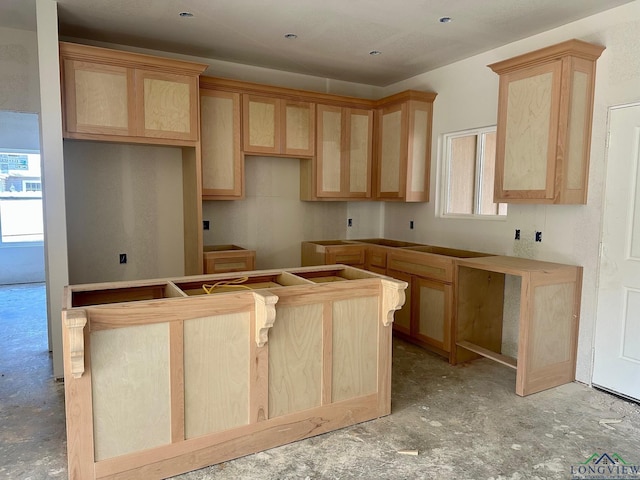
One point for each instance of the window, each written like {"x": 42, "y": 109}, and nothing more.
{"x": 469, "y": 166}
{"x": 20, "y": 198}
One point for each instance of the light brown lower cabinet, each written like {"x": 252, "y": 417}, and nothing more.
{"x": 161, "y": 378}
{"x": 228, "y": 258}
{"x": 549, "y": 312}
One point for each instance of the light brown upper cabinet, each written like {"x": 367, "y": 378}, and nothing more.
{"x": 277, "y": 126}
{"x": 344, "y": 153}
{"x": 544, "y": 124}
{"x": 121, "y": 96}
{"x": 222, "y": 162}
{"x": 403, "y": 157}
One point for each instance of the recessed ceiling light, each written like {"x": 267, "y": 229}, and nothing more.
{"x": 290, "y": 36}
{"x": 445, "y": 19}
{"x": 375, "y": 52}
{"x": 186, "y": 14}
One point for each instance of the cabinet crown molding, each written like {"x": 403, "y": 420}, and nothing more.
{"x": 107, "y": 56}
{"x": 575, "y": 48}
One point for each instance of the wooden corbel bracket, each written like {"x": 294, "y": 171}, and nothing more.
{"x": 74, "y": 322}
{"x": 265, "y": 313}
{"x": 393, "y": 298}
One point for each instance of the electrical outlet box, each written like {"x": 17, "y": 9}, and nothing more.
{"x": 350, "y": 222}
{"x": 205, "y": 224}
{"x": 538, "y": 236}
{"x": 411, "y": 224}
{"x": 517, "y": 236}
{"x": 123, "y": 258}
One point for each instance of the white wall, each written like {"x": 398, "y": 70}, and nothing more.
{"x": 467, "y": 97}
{"x": 52, "y": 173}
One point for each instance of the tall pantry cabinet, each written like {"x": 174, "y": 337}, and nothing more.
{"x": 127, "y": 98}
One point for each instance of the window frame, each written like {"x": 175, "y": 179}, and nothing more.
{"x": 445, "y": 167}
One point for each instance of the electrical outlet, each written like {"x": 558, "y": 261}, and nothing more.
{"x": 205, "y": 224}
{"x": 123, "y": 258}
{"x": 410, "y": 224}
{"x": 538, "y": 236}
{"x": 350, "y": 222}
{"x": 517, "y": 236}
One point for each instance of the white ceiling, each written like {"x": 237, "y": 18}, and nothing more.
{"x": 334, "y": 36}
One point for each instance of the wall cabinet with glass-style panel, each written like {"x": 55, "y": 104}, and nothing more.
{"x": 468, "y": 163}
{"x": 544, "y": 124}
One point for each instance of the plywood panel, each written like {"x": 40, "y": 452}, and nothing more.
{"x": 331, "y": 150}
{"x": 219, "y": 139}
{"x": 578, "y": 130}
{"x": 391, "y": 151}
{"x": 552, "y": 325}
{"x": 527, "y": 132}
{"x": 432, "y": 311}
{"x": 419, "y": 150}
{"x": 216, "y": 373}
{"x": 131, "y": 389}
{"x": 295, "y": 359}
{"x": 101, "y": 96}
{"x": 167, "y": 105}
{"x": 355, "y": 345}
{"x": 462, "y": 174}
{"x": 360, "y": 152}
{"x": 298, "y": 126}
{"x": 262, "y": 126}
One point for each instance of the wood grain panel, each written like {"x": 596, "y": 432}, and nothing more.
{"x": 390, "y": 154}
{"x": 433, "y": 311}
{"x": 355, "y": 347}
{"x": 419, "y": 149}
{"x": 299, "y": 128}
{"x": 216, "y": 373}
{"x": 360, "y": 138}
{"x": 330, "y": 149}
{"x": 462, "y": 174}
{"x": 295, "y": 359}
{"x": 101, "y": 97}
{"x": 220, "y": 140}
{"x": 580, "y": 113}
{"x": 527, "y": 133}
{"x": 262, "y": 124}
{"x": 131, "y": 392}
{"x": 167, "y": 105}
{"x": 552, "y": 325}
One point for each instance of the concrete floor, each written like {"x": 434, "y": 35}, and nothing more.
{"x": 465, "y": 422}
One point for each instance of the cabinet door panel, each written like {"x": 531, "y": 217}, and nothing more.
{"x": 531, "y": 120}
{"x": 261, "y": 124}
{"x": 168, "y": 107}
{"x": 98, "y": 98}
{"x": 431, "y": 320}
{"x": 299, "y": 128}
{"x": 329, "y": 161}
{"x": 359, "y": 152}
{"x": 391, "y": 159}
{"x": 220, "y": 140}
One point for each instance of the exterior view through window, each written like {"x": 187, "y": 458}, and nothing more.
{"x": 469, "y": 169}
{"x": 20, "y": 198}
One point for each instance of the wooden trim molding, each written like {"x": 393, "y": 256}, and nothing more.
{"x": 574, "y": 48}
{"x": 393, "y": 298}
{"x": 265, "y": 312}
{"x": 74, "y": 322}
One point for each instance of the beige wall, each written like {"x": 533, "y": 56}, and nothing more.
{"x": 123, "y": 199}
{"x": 571, "y": 234}
{"x": 19, "y": 85}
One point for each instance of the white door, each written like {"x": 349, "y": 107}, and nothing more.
{"x": 617, "y": 345}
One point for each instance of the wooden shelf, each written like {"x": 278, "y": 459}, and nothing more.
{"x": 498, "y": 357}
